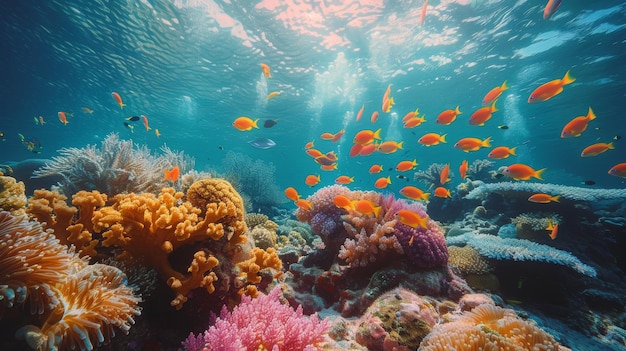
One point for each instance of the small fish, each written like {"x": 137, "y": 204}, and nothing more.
{"x": 520, "y": 171}
{"x": 41, "y": 121}
{"x": 262, "y": 143}
{"x": 330, "y": 167}
{"x": 482, "y": 115}
{"x": 619, "y": 170}
{"x": 448, "y": 116}
{"x": 463, "y": 169}
{"x": 588, "y": 182}
{"x": 220, "y": 147}
{"x": 501, "y": 152}
{"x": 269, "y": 123}
{"x": 343, "y": 201}
{"x": 442, "y": 192}
{"x": 551, "y": 89}
{"x": 617, "y": 137}
{"x": 390, "y": 146}
{"x": 172, "y": 174}
{"x": 157, "y": 133}
{"x": 366, "y": 207}
{"x": 412, "y": 219}
{"x": 272, "y": 95}
{"x": 596, "y": 149}
{"x": 133, "y": 118}
{"x": 414, "y": 122}
{"x": 472, "y": 144}
{"x": 541, "y": 198}
{"x": 503, "y": 126}
{"x": 87, "y": 110}
{"x": 130, "y": 126}
{"x": 404, "y": 166}
{"x": 431, "y": 139}
{"x": 366, "y": 150}
{"x": 343, "y": 179}
{"x": 414, "y": 193}
{"x": 62, "y": 117}
{"x": 374, "y": 117}
{"x": 423, "y": 14}
{"x": 366, "y": 136}
{"x": 118, "y": 99}
{"x": 375, "y": 169}
{"x": 304, "y": 204}
{"x": 553, "y": 229}
{"x": 551, "y": 8}
{"x": 292, "y": 194}
{"x": 144, "y": 119}
{"x": 382, "y": 182}
{"x": 315, "y": 153}
{"x": 400, "y": 176}
{"x": 494, "y": 93}
{"x": 409, "y": 115}
{"x": 360, "y": 113}
{"x": 444, "y": 175}
{"x": 312, "y": 180}
{"x": 266, "y": 70}
{"x": 245, "y": 123}
{"x": 578, "y": 125}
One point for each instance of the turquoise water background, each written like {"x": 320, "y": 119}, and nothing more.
{"x": 193, "y": 67}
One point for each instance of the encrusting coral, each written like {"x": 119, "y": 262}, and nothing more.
{"x": 149, "y": 228}
{"x": 12, "y": 197}
{"x": 524, "y": 190}
{"x": 80, "y": 304}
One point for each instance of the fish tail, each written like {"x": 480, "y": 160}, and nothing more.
{"x": 457, "y": 111}
{"x": 493, "y": 107}
{"x": 400, "y": 145}
{"x": 377, "y": 210}
{"x": 443, "y": 138}
{"x": 377, "y": 134}
{"x": 568, "y": 79}
{"x": 486, "y": 142}
{"x": 425, "y": 196}
{"x": 590, "y": 115}
{"x": 168, "y": 175}
{"x": 504, "y": 87}
{"x": 254, "y": 123}
{"x": 512, "y": 151}
{"x": 538, "y": 173}
{"x": 556, "y": 198}
{"x": 610, "y": 145}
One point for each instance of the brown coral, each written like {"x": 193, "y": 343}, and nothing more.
{"x": 149, "y": 228}
{"x": 12, "y": 194}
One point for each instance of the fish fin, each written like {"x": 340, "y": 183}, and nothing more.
{"x": 538, "y": 173}
{"x": 377, "y": 211}
{"x": 504, "y": 87}
{"x": 400, "y": 144}
{"x": 486, "y": 142}
{"x": 442, "y": 139}
{"x": 377, "y": 134}
{"x": 610, "y": 145}
{"x": 457, "y": 111}
{"x": 512, "y": 151}
{"x": 493, "y": 107}
{"x": 568, "y": 79}
{"x": 254, "y": 123}
{"x": 425, "y": 196}
{"x": 590, "y": 115}
{"x": 556, "y": 198}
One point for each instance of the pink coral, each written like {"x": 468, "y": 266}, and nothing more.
{"x": 261, "y": 324}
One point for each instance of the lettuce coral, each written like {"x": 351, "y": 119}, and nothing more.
{"x": 261, "y": 324}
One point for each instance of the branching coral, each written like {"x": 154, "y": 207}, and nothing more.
{"x": 80, "y": 304}
{"x": 430, "y": 176}
{"x": 489, "y": 327}
{"x": 260, "y": 260}
{"x": 261, "y": 324}
{"x": 524, "y": 190}
{"x": 114, "y": 168}
{"x": 497, "y": 248}
{"x": 149, "y": 228}
{"x": 480, "y": 170}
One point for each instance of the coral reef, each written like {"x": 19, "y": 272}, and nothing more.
{"x": 261, "y": 324}
{"x": 114, "y": 168}
{"x": 533, "y": 225}
{"x": 480, "y": 170}
{"x": 12, "y": 197}
{"x": 494, "y": 247}
{"x": 80, "y": 305}
{"x": 430, "y": 176}
{"x": 524, "y": 190}
{"x": 149, "y": 228}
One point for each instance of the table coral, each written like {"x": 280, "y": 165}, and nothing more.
{"x": 524, "y": 190}
{"x": 149, "y": 228}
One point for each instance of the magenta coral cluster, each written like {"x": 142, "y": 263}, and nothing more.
{"x": 324, "y": 218}
{"x": 263, "y": 323}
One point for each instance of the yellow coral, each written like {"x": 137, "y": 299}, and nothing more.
{"x": 260, "y": 259}
{"x": 12, "y": 194}
{"x": 149, "y": 228}
{"x": 468, "y": 260}
{"x": 254, "y": 219}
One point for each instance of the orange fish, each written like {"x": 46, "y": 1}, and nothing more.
{"x": 520, "y": 171}
{"x": 414, "y": 193}
{"x": 390, "y": 146}
{"x": 308, "y": 145}
{"x": 366, "y": 207}
{"x": 463, "y": 169}
{"x": 374, "y": 117}
{"x": 118, "y": 99}
{"x": 376, "y": 169}
{"x": 412, "y": 219}
{"x": 331, "y": 155}
{"x": 172, "y": 174}
{"x": 315, "y": 153}
{"x": 266, "y": 70}
{"x": 144, "y": 119}
{"x": 367, "y": 149}
{"x": 63, "y": 117}
{"x": 448, "y": 116}
{"x": 273, "y": 94}
{"x": 356, "y": 149}
{"x": 549, "y": 90}
{"x": 494, "y": 93}
{"x": 501, "y": 152}
{"x": 382, "y": 182}
{"x": 292, "y": 194}
{"x": 312, "y": 180}
{"x": 404, "y": 166}
{"x": 472, "y": 144}
{"x": 360, "y": 113}
{"x": 553, "y": 229}
{"x": 344, "y": 180}
{"x": 551, "y": 8}
{"x": 245, "y": 123}
{"x": 414, "y": 122}
{"x": 444, "y": 175}
{"x": 578, "y": 125}
{"x": 442, "y": 192}
{"x": 386, "y": 97}
{"x": 410, "y": 115}
{"x": 366, "y": 136}
{"x": 543, "y": 198}
{"x": 327, "y": 136}
{"x": 330, "y": 167}
{"x": 388, "y": 104}
{"x": 157, "y": 133}
{"x": 338, "y": 136}
{"x": 619, "y": 170}
{"x": 423, "y": 12}
{"x": 596, "y": 149}
{"x": 324, "y": 160}
{"x": 304, "y": 204}
{"x": 430, "y": 139}
{"x": 482, "y": 115}
{"x": 344, "y": 202}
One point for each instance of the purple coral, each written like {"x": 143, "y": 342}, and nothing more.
{"x": 263, "y": 323}
{"x": 324, "y": 218}
{"x": 424, "y": 248}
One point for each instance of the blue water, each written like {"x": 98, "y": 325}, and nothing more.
{"x": 193, "y": 67}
